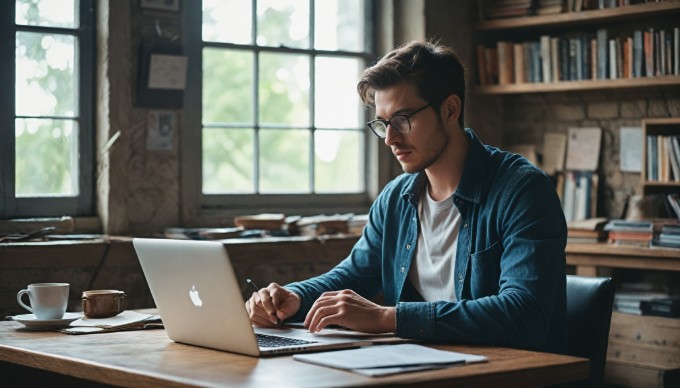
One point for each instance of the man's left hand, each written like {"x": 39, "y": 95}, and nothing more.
{"x": 349, "y": 309}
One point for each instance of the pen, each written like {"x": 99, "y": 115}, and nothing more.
{"x": 257, "y": 289}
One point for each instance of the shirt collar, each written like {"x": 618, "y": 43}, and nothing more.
{"x": 471, "y": 182}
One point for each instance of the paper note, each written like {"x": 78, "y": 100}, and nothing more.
{"x": 554, "y": 148}
{"x": 583, "y": 149}
{"x": 160, "y": 127}
{"x": 381, "y": 360}
{"x": 167, "y": 72}
{"x": 631, "y": 149}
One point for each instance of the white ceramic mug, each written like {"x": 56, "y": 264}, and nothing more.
{"x": 48, "y": 300}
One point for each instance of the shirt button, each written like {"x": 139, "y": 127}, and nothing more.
{"x": 465, "y": 226}
{"x": 408, "y": 246}
{"x": 403, "y": 269}
{"x": 460, "y": 278}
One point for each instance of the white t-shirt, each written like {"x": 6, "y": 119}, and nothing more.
{"x": 431, "y": 272}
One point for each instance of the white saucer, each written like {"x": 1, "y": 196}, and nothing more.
{"x": 32, "y": 323}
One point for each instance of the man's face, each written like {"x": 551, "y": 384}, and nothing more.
{"x": 427, "y": 140}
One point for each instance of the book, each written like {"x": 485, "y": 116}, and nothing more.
{"x": 268, "y": 221}
{"x": 663, "y": 307}
{"x": 602, "y": 55}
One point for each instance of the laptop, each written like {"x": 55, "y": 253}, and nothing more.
{"x": 200, "y": 303}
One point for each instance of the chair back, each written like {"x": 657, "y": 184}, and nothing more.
{"x": 589, "y": 314}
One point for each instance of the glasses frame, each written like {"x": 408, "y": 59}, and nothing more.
{"x": 388, "y": 122}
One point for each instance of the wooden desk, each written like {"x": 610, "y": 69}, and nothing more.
{"x": 149, "y": 358}
{"x": 588, "y": 257}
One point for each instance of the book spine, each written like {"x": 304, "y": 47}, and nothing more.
{"x": 676, "y": 50}
{"x": 602, "y": 54}
{"x": 649, "y": 52}
{"x": 518, "y": 54}
{"x": 612, "y": 59}
{"x": 546, "y": 64}
{"x": 554, "y": 59}
{"x": 637, "y": 53}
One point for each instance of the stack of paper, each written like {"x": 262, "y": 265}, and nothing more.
{"x": 127, "y": 320}
{"x": 385, "y": 360}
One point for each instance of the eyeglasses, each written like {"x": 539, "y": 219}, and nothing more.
{"x": 400, "y": 122}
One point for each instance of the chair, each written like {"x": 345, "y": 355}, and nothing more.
{"x": 589, "y": 314}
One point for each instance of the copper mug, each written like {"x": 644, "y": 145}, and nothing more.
{"x": 103, "y": 303}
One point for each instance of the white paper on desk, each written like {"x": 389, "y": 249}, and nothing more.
{"x": 388, "y": 359}
{"x": 93, "y": 325}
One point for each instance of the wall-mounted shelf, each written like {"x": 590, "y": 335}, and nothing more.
{"x": 583, "y": 17}
{"x": 550, "y": 87}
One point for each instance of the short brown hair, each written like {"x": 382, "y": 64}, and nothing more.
{"x": 433, "y": 68}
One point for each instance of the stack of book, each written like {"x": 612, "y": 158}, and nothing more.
{"x": 496, "y": 9}
{"x": 590, "y": 230}
{"x": 669, "y": 237}
{"x": 673, "y": 201}
{"x": 632, "y": 233}
{"x": 663, "y": 307}
{"x": 630, "y": 302}
{"x": 549, "y": 7}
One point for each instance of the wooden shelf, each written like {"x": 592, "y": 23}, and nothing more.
{"x": 660, "y": 127}
{"x": 588, "y": 257}
{"x": 573, "y": 18}
{"x": 621, "y": 83}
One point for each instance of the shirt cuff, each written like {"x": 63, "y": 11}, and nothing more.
{"x": 415, "y": 320}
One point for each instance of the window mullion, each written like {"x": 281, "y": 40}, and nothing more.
{"x": 7, "y": 101}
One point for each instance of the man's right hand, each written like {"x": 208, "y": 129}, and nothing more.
{"x": 270, "y": 306}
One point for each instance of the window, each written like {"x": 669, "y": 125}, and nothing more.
{"x": 46, "y": 130}
{"x": 275, "y": 100}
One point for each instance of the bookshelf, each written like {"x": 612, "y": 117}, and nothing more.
{"x": 622, "y": 67}
{"x": 658, "y": 158}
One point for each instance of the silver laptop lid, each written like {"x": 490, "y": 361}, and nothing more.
{"x": 197, "y": 293}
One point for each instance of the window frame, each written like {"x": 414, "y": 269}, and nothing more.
{"x": 198, "y": 206}
{"x": 43, "y": 206}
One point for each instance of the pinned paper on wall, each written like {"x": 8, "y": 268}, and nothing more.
{"x": 631, "y": 149}
{"x": 167, "y": 72}
{"x": 554, "y": 148}
{"x": 160, "y": 130}
{"x": 583, "y": 149}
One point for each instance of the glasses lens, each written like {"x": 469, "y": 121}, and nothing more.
{"x": 378, "y": 127}
{"x": 400, "y": 123}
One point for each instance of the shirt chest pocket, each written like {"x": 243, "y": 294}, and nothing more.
{"x": 486, "y": 271}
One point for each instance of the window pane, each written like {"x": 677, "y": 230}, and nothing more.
{"x": 227, "y": 21}
{"x": 339, "y": 161}
{"x": 46, "y": 157}
{"x": 339, "y": 25}
{"x": 284, "y": 161}
{"x": 228, "y": 86}
{"x": 283, "y": 23}
{"x": 337, "y": 103}
{"x": 228, "y": 160}
{"x": 47, "y": 13}
{"x": 45, "y": 78}
{"x": 284, "y": 89}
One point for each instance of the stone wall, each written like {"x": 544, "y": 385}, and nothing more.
{"x": 527, "y": 117}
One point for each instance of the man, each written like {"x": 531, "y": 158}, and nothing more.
{"x": 467, "y": 246}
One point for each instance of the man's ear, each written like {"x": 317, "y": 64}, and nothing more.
{"x": 450, "y": 109}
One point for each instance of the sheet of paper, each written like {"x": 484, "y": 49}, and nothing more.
{"x": 125, "y": 318}
{"x": 583, "y": 149}
{"x": 631, "y": 149}
{"x": 554, "y": 148}
{"x": 160, "y": 128}
{"x": 167, "y": 72}
{"x": 404, "y": 356}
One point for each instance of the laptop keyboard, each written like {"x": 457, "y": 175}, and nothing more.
{"x": 272, "y": 341}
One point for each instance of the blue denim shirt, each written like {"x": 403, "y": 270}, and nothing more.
{"x": 510, "y": 261}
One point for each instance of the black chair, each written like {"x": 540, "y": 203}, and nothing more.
{"x": 589, "y": 315}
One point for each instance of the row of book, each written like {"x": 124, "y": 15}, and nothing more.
{"x": 663, "y": 158}
{"x": 645, "y": 53}
{"x": 673, "y": 202}
{"x": 578, "y": 191}
{"x": 276, "y": 225}
{"x": 496, "y": 9}
{"x": 647, "y": 303}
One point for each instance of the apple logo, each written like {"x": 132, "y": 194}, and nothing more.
{"x": 193, "y": 294}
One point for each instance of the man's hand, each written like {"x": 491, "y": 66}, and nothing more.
{"x": 346, "y": 308}
{"x": 271, "y": 305}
